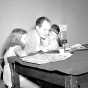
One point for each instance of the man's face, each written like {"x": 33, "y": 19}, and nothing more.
{"x": 44, "y": 29}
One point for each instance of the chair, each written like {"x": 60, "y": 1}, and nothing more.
{"x": 14, "y": 75}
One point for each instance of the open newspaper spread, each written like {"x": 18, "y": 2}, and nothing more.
{"x": 42, "y": 58}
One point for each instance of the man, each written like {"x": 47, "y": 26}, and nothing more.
{"x": 41, "y": 31}
{"x": 32, "y": 42}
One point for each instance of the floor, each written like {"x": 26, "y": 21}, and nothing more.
{"x": 83, "y": 84}
{"x": 2, "y": 84}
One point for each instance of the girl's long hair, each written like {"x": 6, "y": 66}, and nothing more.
{"x": 13, "y": 39}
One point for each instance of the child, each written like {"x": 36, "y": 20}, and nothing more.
{"x": 52, "y": 42}
{"x": 14, "y": 46}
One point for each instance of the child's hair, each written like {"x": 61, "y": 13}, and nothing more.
{"x": 55, "y": 28}
{"x": 13, "y": 39}
{"x": 19, "y": 30}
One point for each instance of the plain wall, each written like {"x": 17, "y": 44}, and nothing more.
{"x": 23, "y": 13}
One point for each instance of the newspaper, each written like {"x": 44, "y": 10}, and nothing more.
{"x": 42, "y": 58}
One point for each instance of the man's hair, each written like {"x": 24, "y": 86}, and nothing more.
{"x": 55, "y": 28}
{"x": 40, "y": 20}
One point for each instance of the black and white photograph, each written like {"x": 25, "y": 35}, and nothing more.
{"x": 43, "y": 43}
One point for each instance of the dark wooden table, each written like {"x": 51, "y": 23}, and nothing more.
{"x": 58, "y": 72}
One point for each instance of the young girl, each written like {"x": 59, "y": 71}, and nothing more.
{"x": 12, "y": 43}
{"x": 15, "y": 46}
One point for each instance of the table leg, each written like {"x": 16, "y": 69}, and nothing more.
{"x": 15, "y": 77}
{"x": 71, "y": 82}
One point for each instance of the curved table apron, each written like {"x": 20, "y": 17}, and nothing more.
{"x": 76, "y": 65}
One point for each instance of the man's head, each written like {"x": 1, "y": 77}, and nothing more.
{"x": 43, "y": 25}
